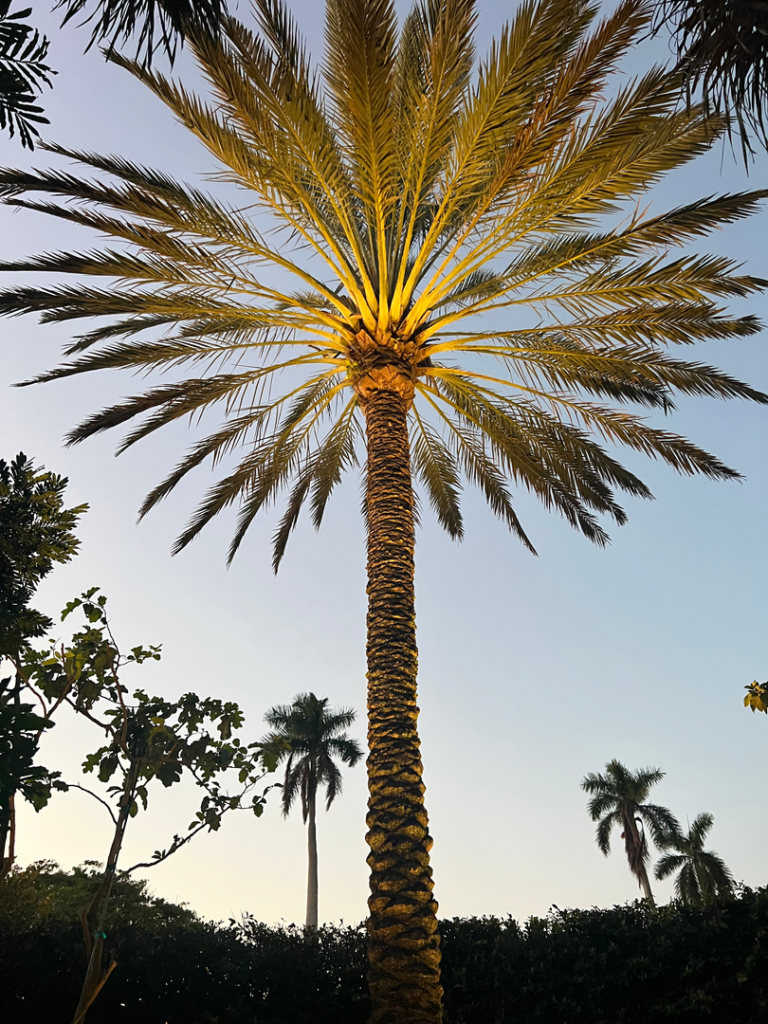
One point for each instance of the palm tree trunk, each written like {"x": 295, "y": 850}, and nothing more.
{"x": 312, "y": 882}
{"x": 637, "y": 852}
{"x": 645, "y": 883}
{"x": 403, "y": 941}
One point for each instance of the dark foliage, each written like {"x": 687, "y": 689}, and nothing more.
{"x": 149, "y": 25}
{"x": 722, "y": 46}
{"x": 628, "y": 965}
{"x": 173, "y": 968}
{"x": 36, "y": 532}
{"x": 23, "y": 73}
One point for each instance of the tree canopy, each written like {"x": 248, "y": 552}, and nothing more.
{"x": 620, "y": 799}
{"x": 36, "y": 533}
{"x": 702, "y": 875}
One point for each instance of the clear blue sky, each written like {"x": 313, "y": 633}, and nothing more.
{"x": 532, "y": 671}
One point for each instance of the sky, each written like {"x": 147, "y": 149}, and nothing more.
{"x": 533, "y": 671}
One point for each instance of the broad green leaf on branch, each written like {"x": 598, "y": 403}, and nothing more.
{"x": 20, "y": 730}
{"x": 145, "y": 738}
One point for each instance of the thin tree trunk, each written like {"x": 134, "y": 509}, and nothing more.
{"x": 645, "y": 883}
{"x": 92, "y": 919}
{"x": 635, "y": 845}
{"x": 312, "y": 882}
{"x": 8, "y": 835}
{"x": 403, "y": 941}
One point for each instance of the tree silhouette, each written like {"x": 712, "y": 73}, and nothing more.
{"x": 619, "y": 798}
{"x": 701, "y": 874}
{"x": 308, "y": 736}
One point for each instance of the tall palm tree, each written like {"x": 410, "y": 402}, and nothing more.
{"x": 445, "y": 298}
{"x": 307, "y": 735}
{"x": 702, "y": 874}
{"x": 620, "y": 798}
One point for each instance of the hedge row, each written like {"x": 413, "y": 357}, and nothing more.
{"x": 626, "y": 965}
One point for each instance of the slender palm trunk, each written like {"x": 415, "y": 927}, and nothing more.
{"x": 634, "y": 844}
{"x": 403, "y": 941}
{"x": 312, "y": 883}
{"x": 645, "y": 883}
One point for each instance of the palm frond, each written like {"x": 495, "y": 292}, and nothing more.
{"x": 401, "y": 192}
{"x": 23, "y": 75}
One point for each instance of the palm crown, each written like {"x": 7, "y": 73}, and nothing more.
{"x": 702, "y": 874}
{"x": 414, "y": 198}
{"x": 308, "y": 735}
{"x": 314, "y": 736}
{"x": 620, "y": 798}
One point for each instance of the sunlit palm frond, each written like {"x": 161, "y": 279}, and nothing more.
{"x": 402, "y": 210}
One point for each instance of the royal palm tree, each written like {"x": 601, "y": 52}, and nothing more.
{"x": 702, "y": 875}
{"x": 620, "y": 798}
{"x": 308, "y": 735}
{"x": 445, "y": 298}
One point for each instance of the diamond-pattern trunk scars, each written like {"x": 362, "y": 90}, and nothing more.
{"x": 403, "y": 941}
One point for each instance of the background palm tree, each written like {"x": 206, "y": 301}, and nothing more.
{"x": 620, "y": 799}
{"x": 307, "y": 735}
{"x": 452, "y": 305}
{"x": 702, "y": 875}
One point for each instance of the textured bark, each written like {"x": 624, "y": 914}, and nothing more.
{"x": 403, "y": 941}
{"x": 312, "y": 883}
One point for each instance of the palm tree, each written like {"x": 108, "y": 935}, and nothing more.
{"x": 308, "y": 736}
{"x": 702, "y": 874}
{"x": 620, "y": 798}
{"x": 444, "y": 299}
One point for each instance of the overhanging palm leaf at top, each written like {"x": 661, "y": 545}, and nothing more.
{"x": 444, "y": 229}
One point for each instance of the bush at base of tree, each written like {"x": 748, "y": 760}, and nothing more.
{"x": 627, "y": 965}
